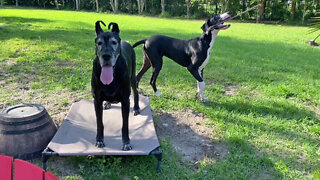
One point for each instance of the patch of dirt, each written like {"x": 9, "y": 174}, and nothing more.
{"x": 10, "y": 62}
{"x": 231, "y": 90}
{"x": 315, "y": 109}
{"x": 192, "y": 139}
{"x": 64, "y": 64}
{"x": 59, "y": 103}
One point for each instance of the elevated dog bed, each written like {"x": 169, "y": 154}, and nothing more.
{"x": 76, "y": 135}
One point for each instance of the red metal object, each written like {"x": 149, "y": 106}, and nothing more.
{"x": 50, "y": 176}
{"x": 5, "y": 167}
{"x": 24, "y": 170}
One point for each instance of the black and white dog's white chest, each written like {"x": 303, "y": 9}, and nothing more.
{"x": 207, "y": 50}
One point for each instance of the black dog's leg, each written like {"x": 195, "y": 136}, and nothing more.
{"x": 98, "y": 110}
{"x": 125, "y": 107}
{"x": 156, "y": 69}
{"x": 145, "y": 67}
{"x": 136, "y": 108}
{"x": 134, "y": 85}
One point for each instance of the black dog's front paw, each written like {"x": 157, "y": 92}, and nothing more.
{"x": 136, "y": 112}
{"x": 100, "y": 144}
{"x": 126, "y": 147}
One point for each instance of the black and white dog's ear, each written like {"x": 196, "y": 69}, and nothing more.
{"x": 98, "y": 27}
{"x": 205, "y": 25}
{"x": 115, "y": 28}
{"x": 209, "y": 29}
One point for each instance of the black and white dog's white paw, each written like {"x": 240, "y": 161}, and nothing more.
{"x": 158, "y": 93}
{"x": 202, "y": 97}
{"x": 126, "y": 147}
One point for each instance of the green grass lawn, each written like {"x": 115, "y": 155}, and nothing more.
{"x": 270, "y": 123}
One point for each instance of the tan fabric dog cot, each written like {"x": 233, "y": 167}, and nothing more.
{"x": 76, "y": 135}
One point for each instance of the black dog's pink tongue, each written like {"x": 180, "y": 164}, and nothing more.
{"x": 106, "y": 76}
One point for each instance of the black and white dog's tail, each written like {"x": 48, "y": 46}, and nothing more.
{"x": 138, "y": 43}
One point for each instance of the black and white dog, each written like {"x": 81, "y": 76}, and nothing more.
{"x": 193, "y": 54}
{"x": 113, "y": 73}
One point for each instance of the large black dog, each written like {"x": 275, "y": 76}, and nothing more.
{"x": 113, "y": 73}
{"x": 193, "y": 54}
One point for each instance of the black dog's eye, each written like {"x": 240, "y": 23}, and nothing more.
{"x": 114, "y": 42}
{"x": 99, "y": 43}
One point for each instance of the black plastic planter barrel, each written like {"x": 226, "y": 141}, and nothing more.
{"x": 25, "y": 130}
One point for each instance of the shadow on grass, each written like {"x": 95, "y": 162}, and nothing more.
{"x": 284, "y": 134}
{"x": 19, "y": 20}
{"x": 285, "y": 112}
{"x": 236, "y": 155}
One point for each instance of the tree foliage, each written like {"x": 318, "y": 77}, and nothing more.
{"x": 270, "y": 10}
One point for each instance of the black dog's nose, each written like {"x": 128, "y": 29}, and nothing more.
{"x": 106, "y": 56}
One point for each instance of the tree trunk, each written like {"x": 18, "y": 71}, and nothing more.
{"x": 257, "y": 16}
{"x": 244, "y": 7}
{"x": 216, "y": 11}
{"x": 17, "y": 3}
{"x": 225, "y": 6}
{"x": 56, "y": 3}
{"x": 262, "y": 10}
{"x": 62, "y": 3}
{"x": 293, "y": 9}
{"x": 162, "y": 7}
{"x": 188, "y": 3}
{"x": 138, "y": 1}
{"x": 304, "y": 11}
{"x": 114, "y": 5}
{"x": 131, "y": 6}
{"x": 1, "y": 2}
{"x": 97, "y": 5}
{"x": 142, "y": 3}
{"x": 77, "y": 5}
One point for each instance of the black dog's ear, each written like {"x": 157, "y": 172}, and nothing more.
{"x": 205, "y": 25}
{"x": 115, "y": 27}
{"x": 98, "y": 27}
